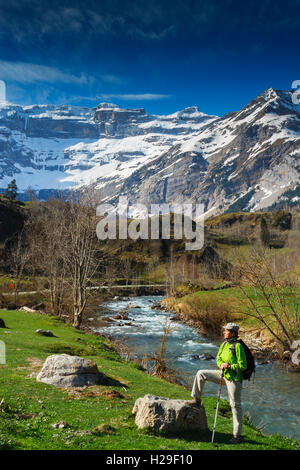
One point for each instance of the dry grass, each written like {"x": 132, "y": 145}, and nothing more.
{"x": 104, "y": 429}
{"x": 208, "y": 313}
{"x": 34, "y": 362}
{"x": 161, "y": 367}
{"x": 78, "y": 393}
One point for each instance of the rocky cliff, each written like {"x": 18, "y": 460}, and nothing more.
{"x": 245, "y": 160}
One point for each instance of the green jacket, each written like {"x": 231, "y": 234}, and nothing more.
{"x": 237, "y": 363}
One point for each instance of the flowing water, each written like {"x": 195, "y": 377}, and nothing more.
{"x": 273, "y": 400}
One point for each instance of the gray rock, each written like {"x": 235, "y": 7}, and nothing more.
{"x": 163, "y": 414}
{"x": 203, "y": 357}
{"x": 121, "y": 315}
{"x": 60, "y": 425}
{"x": 286, "y": 355}
{"x": 44, "y": 333}
{"x": 63, "y": 370}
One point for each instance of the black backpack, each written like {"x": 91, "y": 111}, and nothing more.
{"x": 246, "y": 374}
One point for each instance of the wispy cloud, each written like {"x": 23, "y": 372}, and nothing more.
{"x": 112, "y": 79}
{"x": 135, "y": 97}
{"x": 22, "y": 78}
{"x": 141, "y": 19}
{"x": 116, "y": 97}
{"x": 23, "y": 72}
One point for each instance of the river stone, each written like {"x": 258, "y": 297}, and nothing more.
{"x": 163, "y": 414}
{"x": 203, "y": 357}
{"x": 44, "y": 332}
{"x": 26, "y": 309}
{"x": 63, "y": 370}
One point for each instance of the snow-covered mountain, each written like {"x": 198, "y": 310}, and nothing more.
{"x": 247, "y": 159}
{"x": 61, "y": 147}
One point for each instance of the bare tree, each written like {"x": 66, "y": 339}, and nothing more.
{"x": 19, "y": 258}
{"x": 151, "y": 265}
{"x": 271, "y": 294}
{"x": 31, "y": 194}
{"x": 46, "y": 239}
{"x": 81, "y": 250}
{"x": 65, "y": 249}
{"x": 170, "y": 273}
{"x": 127, "y": 268}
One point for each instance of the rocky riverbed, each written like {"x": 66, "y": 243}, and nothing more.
{"x": 260, "y": 343}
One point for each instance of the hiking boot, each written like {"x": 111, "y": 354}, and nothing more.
{"x": 195, "y": 403}
{"x": 235, "y": 440}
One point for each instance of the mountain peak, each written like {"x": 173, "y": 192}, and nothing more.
{"x": 280, "y": 101}
{"x": 190, "y": 110}
{"x": 105, "y": 105}
{"x": 270, "y": 94}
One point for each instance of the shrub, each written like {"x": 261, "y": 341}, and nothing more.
{"x": 211, "y": 312}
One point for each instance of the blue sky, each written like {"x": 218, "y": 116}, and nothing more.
{"x": 158, "y": 54}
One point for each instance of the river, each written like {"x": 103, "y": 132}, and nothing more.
{"x": 273, "y": 400}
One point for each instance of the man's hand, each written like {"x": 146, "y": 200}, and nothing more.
{"x": 225, "y": 365}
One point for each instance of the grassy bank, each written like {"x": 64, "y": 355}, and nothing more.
{"x": 210, "y": 309}
{"x": 29, "y": 409}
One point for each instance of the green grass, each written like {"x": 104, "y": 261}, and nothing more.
{"x": 234, "y": 296}
{"x": 233, "y": 254}
{"x": 231, "y": 295}
{"x": 30, "y": 408}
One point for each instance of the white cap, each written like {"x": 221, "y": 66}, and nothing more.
{"x": 231, "y": 327}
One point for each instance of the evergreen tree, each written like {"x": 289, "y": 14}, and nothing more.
{"x": 264, "y": 232}
{"x": 11, "y": 190}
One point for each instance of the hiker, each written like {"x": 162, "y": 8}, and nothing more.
{"x": 233, "y": 365}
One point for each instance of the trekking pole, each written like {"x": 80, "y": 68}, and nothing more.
{"x": 219, "y": 395}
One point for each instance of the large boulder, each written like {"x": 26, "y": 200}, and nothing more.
{"x": 163, "y": 414}
{"x": 63, "y": 370}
